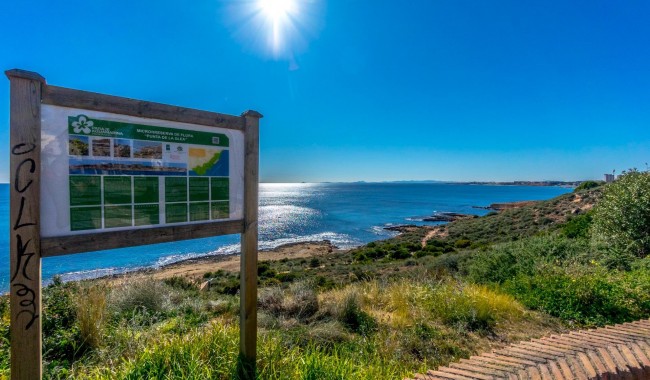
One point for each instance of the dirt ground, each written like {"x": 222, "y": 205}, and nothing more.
{"x": 195, "y": 268}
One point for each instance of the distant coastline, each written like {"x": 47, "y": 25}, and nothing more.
{"x": 528, "y": 183}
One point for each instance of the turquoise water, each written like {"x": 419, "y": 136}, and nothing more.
{"x": 347, "y": 214}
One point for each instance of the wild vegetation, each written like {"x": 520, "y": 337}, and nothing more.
{"x": 381, "y": 311}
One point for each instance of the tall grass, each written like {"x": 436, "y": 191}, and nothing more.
{"x": 91, "y": 314}
{"x": 588, "y": 296}
{"x": 211, "y": 353}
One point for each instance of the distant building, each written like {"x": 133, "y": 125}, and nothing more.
{"x": 609, "y": 178}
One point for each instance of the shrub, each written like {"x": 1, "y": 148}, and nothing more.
{"x": 577, "y": 227}
{"x": 400, "y": 253}
{"x": 421, "y": 253}
{"x": 591, "y": 298}
{"x": 140, "y": 295}
{"x": 286, "y": 276}
{"x": 4, "y": 337}
{"x": 507, "y": 260}
{"x": 62, "y": 339}
{"x": 353, "y": 317}
{"x": 181, "y": 283}
{"x": 264, "y": 270}
{"x": 298, "y": 301}
{"x": 323, "y": 282}
{"x": 448, "y": 263}
{"x": 314, "y": 262}
{"x": 270, "y": 299}
{"x": 302, "y": 301}
{"x": 621, "y": 219}
{"x": 474, "y": 307}
{"x": 586, "y": 185}
{"x": 462, "y": 243}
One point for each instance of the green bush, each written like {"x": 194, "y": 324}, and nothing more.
{"x": 4, "y": 337}
{"x": 314, "y": 262}
{"x": 400, "y": 253}
{"x": 462, "y": 243}
{"x": 299, "y": 301}
{"x": 471, "y": 307}
{"x": 578, "y": 227}
{"x": 586, "y": 185}
{"x": 590, "y": 298}
{"x": 354, "y": 318}
{"x": 145, "y": 295}
{"x": 286, "y": 276}
{"x": 180, "y": 283}
{"x": 62, "y": 339}
{"x": 505, "y": 261}
{"x": 621, "y": 219}
{"x": 264, "y": 270}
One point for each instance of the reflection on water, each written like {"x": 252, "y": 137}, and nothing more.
{"x": 348, "y": 215}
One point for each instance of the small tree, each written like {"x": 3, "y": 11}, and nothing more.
{"x": 621, "y": 219}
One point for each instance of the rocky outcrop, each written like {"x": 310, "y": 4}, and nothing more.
{"x": 506, "y": 206}
{"x": 447, "y": 217}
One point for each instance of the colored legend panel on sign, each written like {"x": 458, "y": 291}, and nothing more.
{"x": 199, "y": 189}
{"x": 199, "y": 211}
{"x": 85, "y": 190}
{"x": 145, "y": 190}
{"x": 117, "y": 190}
{"x": 176, "y": 212}
{"x": 145, "y": 215}
{"x": 220, "y": 188}
{"x": 85, "y": 218}
{"x": 118, "y": 216}
{"x": 176, "y": 189}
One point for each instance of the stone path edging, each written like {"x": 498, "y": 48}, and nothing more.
{"x": 612, "y": 352}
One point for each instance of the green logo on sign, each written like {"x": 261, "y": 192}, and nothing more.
{"x": 82, "y": 125}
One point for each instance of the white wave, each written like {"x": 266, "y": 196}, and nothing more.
{"x": 171, "y": 259}
{"x": 342, "y": 241}
{"x": 94, "y": 273}
{"x": 382, "y": 231}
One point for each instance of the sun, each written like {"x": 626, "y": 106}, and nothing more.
{"x": 279, "y": 15}
{"x": 282, "y": 27}
{"x": 276, "y": 10}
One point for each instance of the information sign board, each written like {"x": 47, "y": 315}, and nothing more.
{"x": 92, "y": 171}
{"x": 115, "y": 172}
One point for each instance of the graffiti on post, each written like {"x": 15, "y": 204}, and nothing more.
{"x": 23, "y": 180}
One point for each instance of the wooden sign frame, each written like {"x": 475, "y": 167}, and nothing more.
{"x": 28, "y": 91}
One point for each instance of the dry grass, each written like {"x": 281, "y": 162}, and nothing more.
{"x": 91, "y": 314}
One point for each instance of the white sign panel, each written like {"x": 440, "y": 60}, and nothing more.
{"x": 109, "y": 172}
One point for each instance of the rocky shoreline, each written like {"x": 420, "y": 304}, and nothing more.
{"x": 506, "y": 205}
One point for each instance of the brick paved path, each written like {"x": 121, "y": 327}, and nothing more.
{"x": 612, "y": 352}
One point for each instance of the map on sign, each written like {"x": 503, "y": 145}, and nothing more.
{"x": 129, "y": 175}
{"x": 205, "y": 161}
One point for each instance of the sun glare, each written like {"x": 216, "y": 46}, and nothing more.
{"x": 278, "y": 13}
{"x": 277, "y": 9}
{"x": 282, "y": 27}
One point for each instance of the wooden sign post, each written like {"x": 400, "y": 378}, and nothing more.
{"x": 92, "y": 172}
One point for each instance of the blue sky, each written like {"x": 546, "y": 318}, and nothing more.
{"x": 369, "y": 90}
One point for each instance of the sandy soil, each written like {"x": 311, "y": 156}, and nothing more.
{"x": 195, "y": 268}
{"x": 439, "y": 232}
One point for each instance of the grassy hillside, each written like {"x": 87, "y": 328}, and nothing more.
{"x": 525, "y": 221}
{"x": 381, "y": 311}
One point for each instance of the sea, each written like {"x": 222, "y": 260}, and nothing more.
{"x": 346, "y": 214}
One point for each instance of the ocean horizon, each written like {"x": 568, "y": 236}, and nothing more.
{"x": 347, "y": 214}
